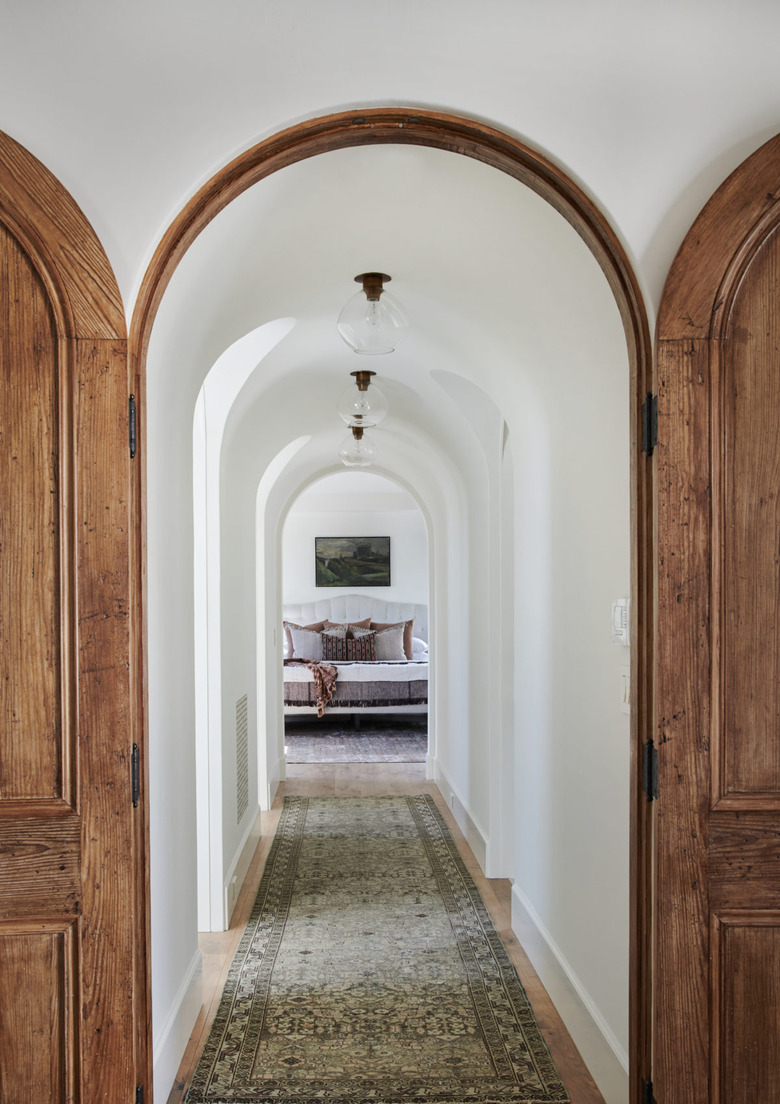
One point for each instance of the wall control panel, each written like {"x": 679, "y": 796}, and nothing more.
{"x": 621, "y": 622}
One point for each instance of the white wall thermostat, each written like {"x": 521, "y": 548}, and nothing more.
{"x": 621, "y": 622}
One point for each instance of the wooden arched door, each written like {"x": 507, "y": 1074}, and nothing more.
{"x": 717, "y": 918}
{"x": 73, "y": 1009}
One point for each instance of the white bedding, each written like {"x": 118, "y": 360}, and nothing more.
{"x": 350, "y": 671}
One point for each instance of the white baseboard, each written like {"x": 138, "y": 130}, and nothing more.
{"x": 476, "y": 836}
{"x": 274, "y": 781}
{"x": 177, "y": 1028}
{"x": 240, "y": 865}
{"x": 601, "y": 1051}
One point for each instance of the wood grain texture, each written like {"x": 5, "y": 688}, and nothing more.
{"x": 746, "y": 982}
{"x": 41, "y": 870}
{"x": 747, "y": 448}
{"x": 681, "y": 990}
{"x": 744, "y": 855}
{"x": 31, "y": 705}
{"x": 71, "y": 261}
{"x": 718, "y": 697}
{"x": 81, "y": 855}
{"x": 104, "y": 689}
{"x": 690, "y": 300}
{"x": 37, "y": 1005}
{"x": 506, "y": 153}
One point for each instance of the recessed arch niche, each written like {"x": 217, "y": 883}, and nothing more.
{"x": 510, "y": 156}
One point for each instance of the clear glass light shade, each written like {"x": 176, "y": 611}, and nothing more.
{"x": 357, "y": 452}
{"x": 362, "y": 408}
{"x": 372, "y": 325}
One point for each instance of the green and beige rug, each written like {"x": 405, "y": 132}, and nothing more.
{"x": 370, "y": 973}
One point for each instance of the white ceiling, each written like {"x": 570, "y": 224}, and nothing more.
{"x": 133, "y": 106}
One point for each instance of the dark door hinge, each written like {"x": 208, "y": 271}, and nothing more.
{"x": 139, "y": 1094}
{"x": 132, "y": 426}
{"x": 650, "y": 770}
{"x": 135, "y": 777}
{"x": 647, "y": 1093}
{"x": 649, "y": 423}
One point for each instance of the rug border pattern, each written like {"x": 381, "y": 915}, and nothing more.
{"x": 501, "y": 1007}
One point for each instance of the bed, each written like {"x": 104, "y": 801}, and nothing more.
{"x": 397, "y": 685}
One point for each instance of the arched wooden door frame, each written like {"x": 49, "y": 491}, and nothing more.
{"x": 718, "y": 879}
{"x": 73, "y": 843}
{"x": 472, "y": 138}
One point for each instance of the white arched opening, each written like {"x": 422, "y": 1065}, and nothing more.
{"x": 509, "y": 415}
{"x": 220, "y": 389}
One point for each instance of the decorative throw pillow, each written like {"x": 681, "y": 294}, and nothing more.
{"x": 408, "y": 629}
{"x": 364, "y": 624}
{"x": 288, "y": 625}
{"x": 336, "y": 647}
{"x": 307, "y": 644}
{"x": 362, "y": 647}
{"x": 419, "y": 648}
{"x": 389, "y": 642}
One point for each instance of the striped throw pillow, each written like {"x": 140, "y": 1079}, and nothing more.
{"x": 335, "y": 648}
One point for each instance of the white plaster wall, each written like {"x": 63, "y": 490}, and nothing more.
{"x": 408, "y": 552}
{"x": 572, "y": 540}
{"x": 171, "y": 710}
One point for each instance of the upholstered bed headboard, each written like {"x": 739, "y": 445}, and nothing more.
{"x": 355, "y": 607}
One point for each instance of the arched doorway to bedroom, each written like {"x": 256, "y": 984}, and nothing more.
{"x": 339, "y": 533}
{"x": 520, "y": 434}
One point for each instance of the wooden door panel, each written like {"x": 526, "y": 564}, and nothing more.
{"x": 38, "y": 1010}
{"x": 31, "y": 507}
{"x": 681, "y": 987}
{"x": 746, "y": 1006}
{"x": 747, "y": 557}
{"x": 717, "y": 823}
{"x": 73, "y": 919}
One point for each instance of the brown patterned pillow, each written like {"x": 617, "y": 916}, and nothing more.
{"x": 335, "y": 648}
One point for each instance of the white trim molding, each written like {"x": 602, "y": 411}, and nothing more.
{"x": 177, "y": 1028}
{"x": 600, "y": 1049}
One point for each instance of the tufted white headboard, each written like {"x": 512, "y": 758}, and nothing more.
{"x": 355, "y": 607}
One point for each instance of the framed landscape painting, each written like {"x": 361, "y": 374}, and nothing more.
{"x": 352, "y": 561}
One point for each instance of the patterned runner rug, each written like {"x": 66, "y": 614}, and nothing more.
{"x": 370, "y": 973}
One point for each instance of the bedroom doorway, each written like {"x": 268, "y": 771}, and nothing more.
{"x": 368, "y": 719}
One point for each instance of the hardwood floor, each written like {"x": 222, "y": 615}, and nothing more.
{"x": 370, "y": 779}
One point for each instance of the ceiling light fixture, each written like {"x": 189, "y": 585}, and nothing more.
{"x": 373, "y": 320}
{"x": 356, "y": 450}
{"x": 357, "y": 407}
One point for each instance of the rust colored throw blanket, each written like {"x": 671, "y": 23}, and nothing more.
{"x": 325, "y": 677}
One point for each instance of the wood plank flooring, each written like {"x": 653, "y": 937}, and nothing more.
{"x": 365, "y": 780}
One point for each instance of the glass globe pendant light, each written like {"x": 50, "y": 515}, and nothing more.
{"x": 372, "y": 321}
{"x": 356, "y": 450}
{"x": 359, "y": 407}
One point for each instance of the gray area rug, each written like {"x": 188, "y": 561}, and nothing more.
{"x": 338, "y": 742}
{"x": 370, "y": 973}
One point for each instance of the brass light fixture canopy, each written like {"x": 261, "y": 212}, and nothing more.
{"x": 373, "y": 283}
{"x": 359, "y": 406}
{"x": 373, "y": 320}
